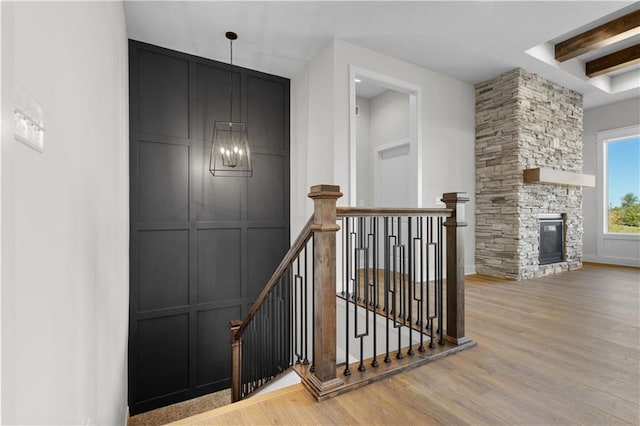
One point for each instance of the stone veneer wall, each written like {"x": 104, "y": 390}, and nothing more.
{"x": 524, "y": 121}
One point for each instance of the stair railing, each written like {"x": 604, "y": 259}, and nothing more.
{"x": 274, "y": 334}
{"x": 392, "y": 270}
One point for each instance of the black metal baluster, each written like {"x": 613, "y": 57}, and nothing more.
{"x": 361, "y": 286}
{"x": 440, "y": 280}
{"x": 347, "y": 258}
{"x": 268, "y": 370}
{"x": 289, "y": 320}
{"x": 274, "y": 335}
{"x": 246, "y": 353}
{"x": 420, "y": 323}
{"x": 296, "y": 316}
{"x": 269, "y": 326}
{"x": 374, "y": 245}
{"x": 277, "y": 330}
{"x": 313, "y": 303}
{"x": 301, "y": 307}
{"x": 436, "y": 276}
{"x": 356, "y": 305}
{"x": 254, "y": 355}
{"x": 430, "y": 317}
{"x": 401, "y": 284}
{"x": 394, "y": 281}
{"x": 387, "y": 256}
{"x": 345, "y": 254}
{"x": 403, "y": 276}
{"x": 264, "y": 341}
{"x": 259, "y": 359}
{"x": 266, "y": 361}
{"x": 365, "y": 288}
{"x": 410, "y": 284}
{"x": 292, "y": 320}
{"x": 285, "y": 326}
{"x": 359, "y": 235}
{"x": 357, "y": 286}
{"x": 305, "y": 324}
{"x": 246, "y": 337}
{"x": 254, "y": 358}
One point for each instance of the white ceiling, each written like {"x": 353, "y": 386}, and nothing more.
{"x": 470, "y": 41}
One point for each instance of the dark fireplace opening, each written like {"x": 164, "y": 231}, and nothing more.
{"x": 551, "y": 239}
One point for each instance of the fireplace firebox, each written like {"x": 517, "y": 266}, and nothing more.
{"x": 551, "y": 239}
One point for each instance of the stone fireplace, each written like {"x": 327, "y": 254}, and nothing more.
{"x": 524, "y": 121}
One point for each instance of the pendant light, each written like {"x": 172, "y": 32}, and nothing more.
{"x": 230, "y": 154}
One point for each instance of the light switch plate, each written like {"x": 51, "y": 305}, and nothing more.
{"x": 28, "y": 119}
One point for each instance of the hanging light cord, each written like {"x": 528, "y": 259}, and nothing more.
{"x": 231, "y": 81}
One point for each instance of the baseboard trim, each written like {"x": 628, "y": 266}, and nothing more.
{"x": 622, "y": 261}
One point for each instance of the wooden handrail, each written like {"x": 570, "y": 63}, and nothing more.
{"x": 293, "y": 252}
{"x": 391, "y": 211}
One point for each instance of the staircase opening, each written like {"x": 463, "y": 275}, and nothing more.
{"x": 400, "y": 299}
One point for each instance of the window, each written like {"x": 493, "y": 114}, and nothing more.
{"x": 621, "y": 179}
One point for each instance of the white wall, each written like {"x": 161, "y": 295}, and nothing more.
{"x": 363, "y": 152}
{"x": 383, "y": 119}
{"x": 7, "y": 292}
{"x": 389, "y": 118}
{"x": 447, "y": 117}
{"x": 607, "y": 117}
{"x": 70, "y": 218}
{"x": 299, "y": 210}
{"x": 312, "y": 130}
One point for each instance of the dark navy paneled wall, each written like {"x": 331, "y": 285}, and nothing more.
{"x": 202, "y": 247}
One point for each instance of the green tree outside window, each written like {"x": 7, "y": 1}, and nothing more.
{"x": 626, "y": 218}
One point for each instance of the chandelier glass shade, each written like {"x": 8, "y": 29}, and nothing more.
{"x": 230, "y": 153}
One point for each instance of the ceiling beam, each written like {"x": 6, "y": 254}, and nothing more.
{"x": 614, "y": 61}
{"x": 611, "y": 32}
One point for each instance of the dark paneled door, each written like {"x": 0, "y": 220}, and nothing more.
{"x": 202, "y": 247}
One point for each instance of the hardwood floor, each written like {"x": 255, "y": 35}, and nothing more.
{"x": 563, "y": 349}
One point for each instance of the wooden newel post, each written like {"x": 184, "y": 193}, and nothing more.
{"x": 455, "y": 267}
{"x": 324, "y": 244}
{"x": 236, "y": 360}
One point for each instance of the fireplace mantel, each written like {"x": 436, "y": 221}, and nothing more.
{"x": 558, "y": 177}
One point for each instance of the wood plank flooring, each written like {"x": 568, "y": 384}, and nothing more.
{"x": 563, "y": 349}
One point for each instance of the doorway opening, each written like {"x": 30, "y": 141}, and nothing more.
{"x": 385, "y": 123}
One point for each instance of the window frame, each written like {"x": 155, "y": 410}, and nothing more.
{"x": 603, "y": 139}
